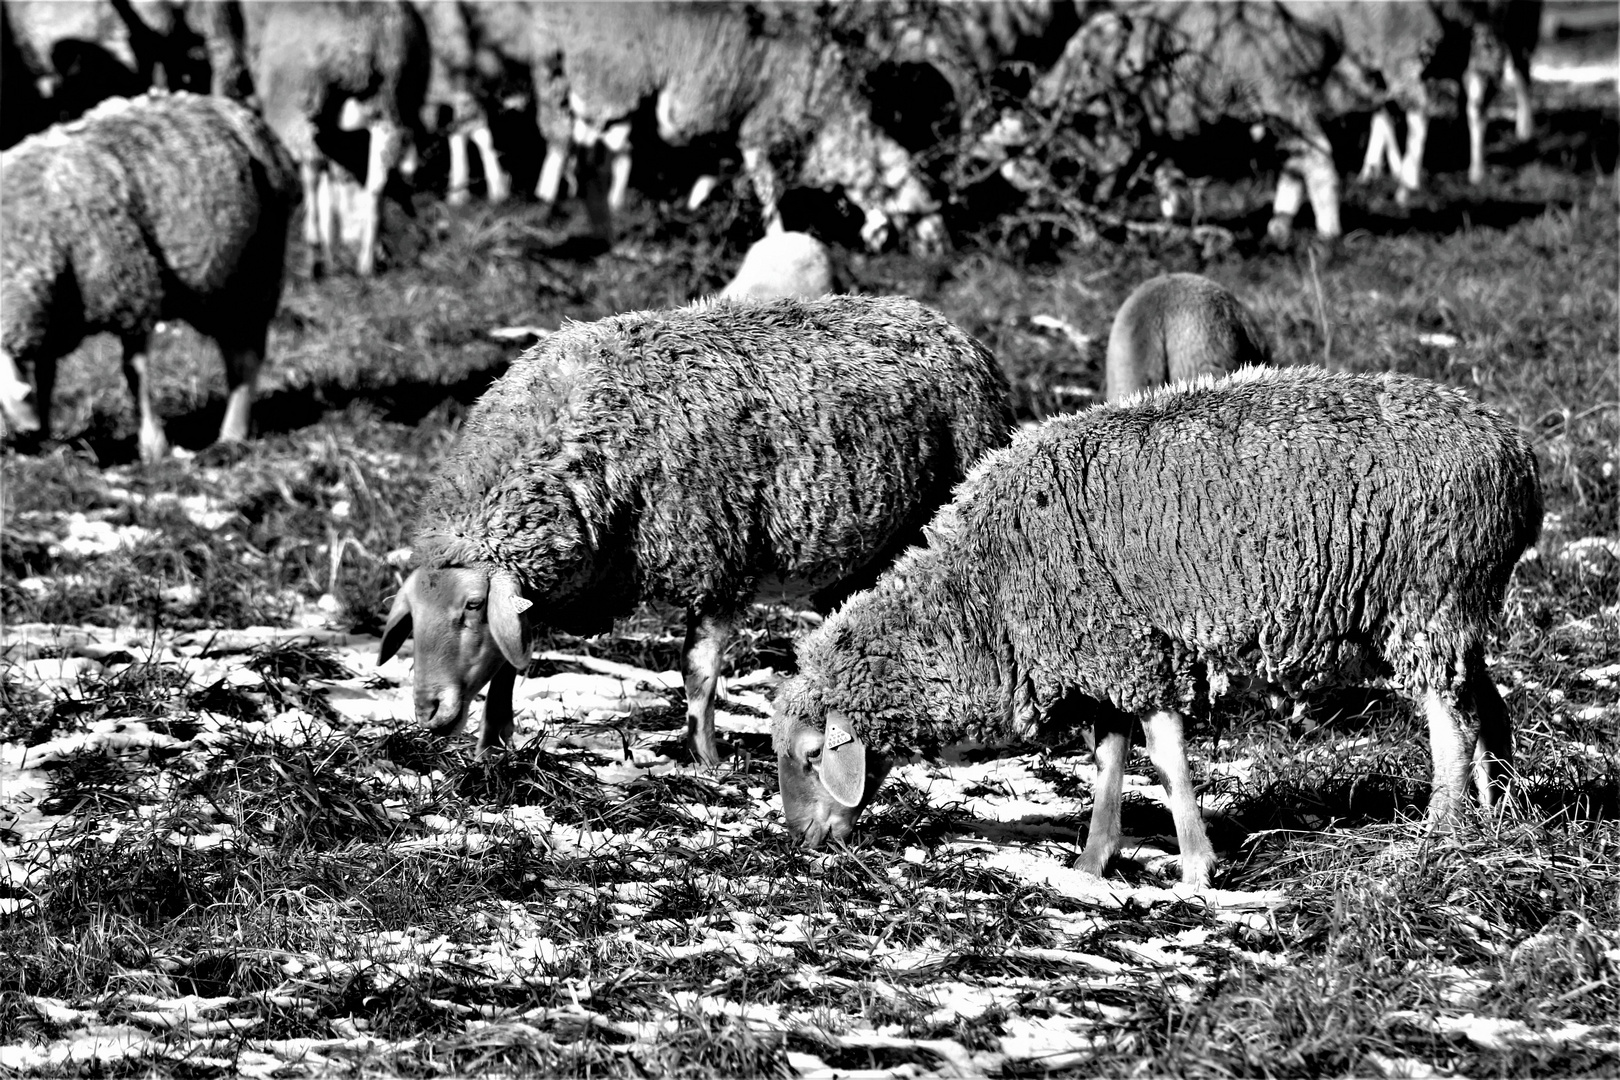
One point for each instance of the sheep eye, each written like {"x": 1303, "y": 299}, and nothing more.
{"x": 475, "y": 605}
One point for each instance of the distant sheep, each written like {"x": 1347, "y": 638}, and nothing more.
{"x": 1280, "y": 527}
{"x": 160, "y": 207}
{"x": 455, "y": 87}
{"x": 1176, "y": 327}
{"x": 699, "y": 457}
{"x": 791, "y": 265}
{"x": 326, "y": 65}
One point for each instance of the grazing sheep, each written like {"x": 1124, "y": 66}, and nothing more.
{"x": 1176, "y": 327}
{"x": 324, "y": 65}
{"x": 794, "y": 265}
{"x": 1291, "y": 527}
{"x": 700, "y": 457}
{"x": 455, "y": 86}
{"x": 160, "y": 207}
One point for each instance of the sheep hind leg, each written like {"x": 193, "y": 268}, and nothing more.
{"x": 1493, "y": 754}
{"x": 1111, "y": 735}
{"x": 1168, "y": 750}
{"x": 456, "y": 194}
{"x": 153, "y": 442}
{"x": 386, "y": 151}
{"x": 1452, "y": 743}
{"x": 496, "y": 184}
{"x": 704, "y": 652}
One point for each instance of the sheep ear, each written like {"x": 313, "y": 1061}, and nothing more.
{"x": 398, "y": 627}
{"x": 506, "y": 607}
{"x": 843, "y": 762}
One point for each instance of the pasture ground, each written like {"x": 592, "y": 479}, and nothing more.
{"x": 225, "y": 849}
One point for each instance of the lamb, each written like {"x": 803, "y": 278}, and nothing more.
{"x": 158, "y": 207}
{"x": 327, "y": 64}
{"x": 1280, "y": 527}
{"x": 785, "y": 264}
{"x": 698, "y": 457}
{"x": 1176, "y": 327}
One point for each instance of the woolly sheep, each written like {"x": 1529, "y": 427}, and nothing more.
{"x": 1176, "y": 327}
{"x": 698, "y": 457}
{"x": 1280, "y": 527}
{"x": 786, "y": 264}
{"x": 159, "y": 207}
{"x": 346, "y": 64}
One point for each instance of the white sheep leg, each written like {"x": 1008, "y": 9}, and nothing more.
{"x": 457, "y": 193}
{"x": 616, "y": 141}
{"x": 387, "y": 145}
{"x": 1285, "y": 206}
{"x": 1493, "y": 754}
{"x": 242, "y": 362}
{"x": 1417, "y": 139}
{"x": 1383, "y": 149}
{"x": 26, "y": 404}
{"x": 497, "y": 186}
{"x": 1476, "y": 91}
{"x": 1113, "y": 744}
{"x": 1168, "y": 750}
{"x": 154, "y": 444}
{"x": 551, "y": 173}
{"x": 705, "y": 650}
{"x": 702, "y": 188}
{"x": 1517, "y": 74}
{"x": 766, "y": 187}
{"x": 318, "y": 228}
{"x": 1452, "y": 747}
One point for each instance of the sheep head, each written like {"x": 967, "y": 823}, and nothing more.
{"x": 826, "y": 774}
{"x": 468, "y": 624}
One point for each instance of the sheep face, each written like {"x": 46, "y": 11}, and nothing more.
{"x": 447, "y": 611}
{"x": 826, "y": 775}
{"x": 17, "y": 398}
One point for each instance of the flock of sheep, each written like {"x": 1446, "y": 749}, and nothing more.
{"x": 1243, "y": 529}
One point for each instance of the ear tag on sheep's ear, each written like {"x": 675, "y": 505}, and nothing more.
{"x": 843, "y": 762}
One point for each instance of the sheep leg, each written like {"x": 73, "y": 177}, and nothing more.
{"x": 496, "y": 185}
{"x": 243, "y": 358}
{"x": 498, "y": 714}
{"x": 705, "y": 650}
{"x": 1452, "y": 745}
{"x": 1111, "y": 740}
{"x": 766, "y": 186}
{"x": 1493, "y": 754}
{"x": 1381, "y": 148}
{"x": 457, "y": 193}
{"x": 1285, "y": 205}
{"x": 702, "y": 188}
{"x": 317, "y": 183}
{"x": 1477, "y": 91}
{"x": 28, "y": 396}
{"x": 1169, "y": 754}
{"x": 598, "y": 199}
{"x": 1517, "y": 73}
{"x": 1417, "y": 138}
{"x": 616, "y": 141}
{"x": 385, "y": 152}
{"x": 551, "y": 172}
{"x": 154, "y": 444}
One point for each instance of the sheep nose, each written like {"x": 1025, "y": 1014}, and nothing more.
{"x": 440, "y": 712}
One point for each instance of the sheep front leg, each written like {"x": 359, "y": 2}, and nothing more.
{"x": 766, "y": 186}
{"x": 1381, "y": 148}
{"x": 1452, "y": 743}
{"x": 318, "y": 229}
{"x": 1477, "y": 92}
{"x": 616, "y": 141}
{"x": 705, "y": 650}
{"x": 387, "y": 145}
{"x": 1169, "y": 753}
{"x": 1417, "y": 139}
{"x": 457, "y": 193}
{"x": 496, "y": 185}
{"x": 552, "y": 169}
{"x": 243, "y": 359}
{"x": 1112, "y": 745}
{"x": 154, "y": 444}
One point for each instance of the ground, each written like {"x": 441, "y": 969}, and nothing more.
{"x": 227, "y": 850}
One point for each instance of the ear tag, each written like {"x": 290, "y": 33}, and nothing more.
{"x": 843, "y": 762}
{"x": 520, "y": 604}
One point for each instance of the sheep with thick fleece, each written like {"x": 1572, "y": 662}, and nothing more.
{"x": 1176, "y": 327}
{"x": 325, "y": 65}
{"x": 157, "y": 207}
{"x": 700, "y": 457}
{"x": 1279, "y": 527}
{"x": 783, "y": 264}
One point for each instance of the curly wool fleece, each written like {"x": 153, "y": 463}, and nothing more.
{"x": 1293, "y": 525}
{"x": 689, "y": 454}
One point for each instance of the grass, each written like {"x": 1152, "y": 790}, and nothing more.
{"x": 213, "y": 806}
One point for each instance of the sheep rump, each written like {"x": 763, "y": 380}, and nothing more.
{"x": 705, "y": 455}
{"x": 1293, "y": 527}
{"x": 166, "y": 206}
{"x": 1176, "y": 327}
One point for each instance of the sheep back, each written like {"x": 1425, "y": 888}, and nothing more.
{"x": 161, "y": 206}
{"x": 1293, "y": 526}
{"x": 692, "y": 455}
{"x": 1176, "y": 327}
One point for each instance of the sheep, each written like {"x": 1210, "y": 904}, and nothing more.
{"x": 324, "y": 65}
{"x": 455, "y": 86}
{"x": 785, "y": 264}
{"x": 1175, "y": 327}
{"x": 1279, "y": 527}
{"x": 158, "y": 207}
{"x": 699, "y": 457}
